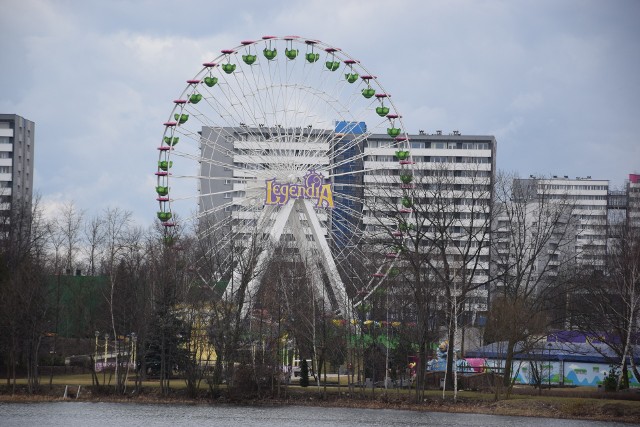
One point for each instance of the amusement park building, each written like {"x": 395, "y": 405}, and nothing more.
{"x": 16, "y": 160}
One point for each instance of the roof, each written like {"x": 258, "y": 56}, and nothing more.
{"x": 553, "y": 351}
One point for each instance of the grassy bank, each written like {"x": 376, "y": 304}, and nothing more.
{"x": 578, "y": 403}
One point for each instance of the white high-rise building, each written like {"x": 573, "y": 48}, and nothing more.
{"x": 242, "y": 161}
{"x": 451, "y": 196}
{"x": 587, "y": 198}
{"x": 633, "y": 200}
{"x": 16, "y": 160}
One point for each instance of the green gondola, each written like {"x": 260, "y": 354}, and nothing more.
{"x": 210, "y": 81}
{"x": 270, "y": 54}
{"x": 228, "y": 68}
{"x": 249, "y": 59}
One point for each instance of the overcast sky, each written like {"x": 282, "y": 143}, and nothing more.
{"x": 557, "y": 82}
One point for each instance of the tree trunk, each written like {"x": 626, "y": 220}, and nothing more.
{"x": 450, "y": 349}
{"x": 508, "y": 362}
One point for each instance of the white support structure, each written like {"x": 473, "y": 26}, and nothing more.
{"x": 308, "y": 249}
{"x": 318, "y": 249}
{"x": 266, "y": 251}
{"x": 326, "y": 258}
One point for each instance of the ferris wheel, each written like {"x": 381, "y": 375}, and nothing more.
{"x": 266, "y": 146}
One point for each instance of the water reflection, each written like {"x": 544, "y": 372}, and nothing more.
{"x": 70, "y": 414}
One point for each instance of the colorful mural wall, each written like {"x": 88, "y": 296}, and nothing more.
{"x": 561, "y": 373}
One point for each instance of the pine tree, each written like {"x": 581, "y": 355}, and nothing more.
{"x": 304, "y": 373}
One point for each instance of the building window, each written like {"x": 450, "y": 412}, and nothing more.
{"x": 439, "y": 159}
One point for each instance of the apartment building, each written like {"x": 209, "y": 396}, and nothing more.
{"x": 16, "y": 160}
{"x": 588, "y": 201}
{"x": 633, "y": 200}
{"x": 449, "y": 197}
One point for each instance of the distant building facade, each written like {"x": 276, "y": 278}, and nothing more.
{"x": 633, "y": 200}
{"x": 588, "y": 199}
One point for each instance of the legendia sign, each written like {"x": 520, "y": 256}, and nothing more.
{"x": 313, "y": 188}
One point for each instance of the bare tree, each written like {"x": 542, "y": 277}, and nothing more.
{"x": 63, "y": 233}
{"x": 439, "y": 227}
{"x": 23, "y": 292}
{"x": 609, "y": 309}
{"x": 94, "y": 236}
{"x": 69, "y": 223}
{"x": 533, "y": 263}
{"x": 116, "y": 223}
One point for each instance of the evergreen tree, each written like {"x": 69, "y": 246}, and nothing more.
{"x": 304, "y": 373}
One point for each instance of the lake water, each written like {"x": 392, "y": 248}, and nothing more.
{"x": 70, "y": 414}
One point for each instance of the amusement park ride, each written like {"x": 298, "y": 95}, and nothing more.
{"x": 268, "y": 140}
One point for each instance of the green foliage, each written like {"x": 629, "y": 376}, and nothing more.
{"x": 610, "y": 382}
{"x": 166, "y": 348}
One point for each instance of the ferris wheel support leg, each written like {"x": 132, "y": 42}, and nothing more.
{"x": 266, "y": 252}
{"x": 326, "y": 258}
{"x": 231, "y": 290}
{"x": 306, "y": 247}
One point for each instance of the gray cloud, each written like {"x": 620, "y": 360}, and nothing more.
{"x": 556, "y": 82}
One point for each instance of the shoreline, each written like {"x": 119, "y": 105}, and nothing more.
{"x": 588, "y": 409}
